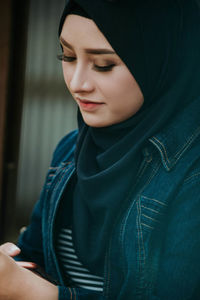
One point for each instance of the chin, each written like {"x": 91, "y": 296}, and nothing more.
{"x": 95, "y": 123}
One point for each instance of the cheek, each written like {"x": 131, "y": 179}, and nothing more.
{"x": 121, "y": 85}
{"x": 129, "y": 89}
{"x": 123, "y": 94}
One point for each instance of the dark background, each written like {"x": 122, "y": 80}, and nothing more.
{"x": 36, "y": 110}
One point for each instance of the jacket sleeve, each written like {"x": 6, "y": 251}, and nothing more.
{"x": 30, "y": 241}
{"x": 179, "y": 269}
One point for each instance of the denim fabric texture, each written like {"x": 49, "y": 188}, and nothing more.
{"x": 154, "y": 248}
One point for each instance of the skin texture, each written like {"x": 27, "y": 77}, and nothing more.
{"x": 13, "y": 275}
{"x": 114, "y": 89}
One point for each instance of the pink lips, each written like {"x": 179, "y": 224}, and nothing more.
{"x": 88, "y": 105}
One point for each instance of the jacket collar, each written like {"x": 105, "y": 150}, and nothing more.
{"x": 177, "y": 137}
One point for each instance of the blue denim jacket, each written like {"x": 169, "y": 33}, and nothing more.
{"x": 154, "y": 250}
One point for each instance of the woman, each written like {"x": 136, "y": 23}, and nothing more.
{"x": 118, "y": 216}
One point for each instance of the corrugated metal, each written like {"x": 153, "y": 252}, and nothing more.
{"x": 48, "y": 112}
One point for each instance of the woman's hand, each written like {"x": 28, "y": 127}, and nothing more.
{"x": 18, "y": 283}
{"x": 12, "y": 250}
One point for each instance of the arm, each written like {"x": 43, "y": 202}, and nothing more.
{"x": 179, "y": 268}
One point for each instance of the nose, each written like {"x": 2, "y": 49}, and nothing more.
{"x": 81, "y": 80}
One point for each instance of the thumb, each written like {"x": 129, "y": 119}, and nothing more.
{"x": 10, "y": 249}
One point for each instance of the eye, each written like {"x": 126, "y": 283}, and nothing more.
{"x": 65, "y": 58}
{"x": 104, "y": 68}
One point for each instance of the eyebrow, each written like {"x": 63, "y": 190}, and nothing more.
{"x": 89, "y": 50}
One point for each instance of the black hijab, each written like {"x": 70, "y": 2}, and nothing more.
{"x": 159, "y": 41}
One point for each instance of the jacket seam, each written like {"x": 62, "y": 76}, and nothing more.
{"x": 163, "y": 153}
{"x": 162, "y": 149}
{"x": 53, "y": 216}
{"x": 190, "y": 177}
{"x": 138, "y": 222}
{"x": 142, "y": 260}
{"x": 141, "y": 240}
{"x": 122, "y": 230}
{"x": 187, "y": 143}
{"x": 155, "y": 200}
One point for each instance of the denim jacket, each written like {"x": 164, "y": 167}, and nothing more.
{"x": 154, "y": 249}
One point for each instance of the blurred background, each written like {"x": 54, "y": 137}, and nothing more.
{"x": 36, "y": 110}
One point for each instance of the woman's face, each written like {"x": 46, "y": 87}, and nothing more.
{"x": 101, "y": 84}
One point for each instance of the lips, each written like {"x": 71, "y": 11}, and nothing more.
{"x": 88, "y": 104}
{"x": 88, "y": 101}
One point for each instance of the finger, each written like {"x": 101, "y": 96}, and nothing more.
{"x": 10, "y": 249}
{"x": 27, "y": 264}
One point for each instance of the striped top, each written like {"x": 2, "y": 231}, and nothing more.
{"x": 72, "y": 267}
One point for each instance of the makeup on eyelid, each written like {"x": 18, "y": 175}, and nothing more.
{"x": 104, "y": 66}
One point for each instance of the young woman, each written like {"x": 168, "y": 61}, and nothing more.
{"x": 119, "y": 214}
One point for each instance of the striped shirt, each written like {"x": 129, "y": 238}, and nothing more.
{"x": 72, "y": 267}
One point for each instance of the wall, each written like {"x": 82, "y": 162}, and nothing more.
{"x": 48, "y": 110}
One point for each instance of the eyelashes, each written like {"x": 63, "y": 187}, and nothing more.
{"x": 105, "y": 68}
{"x": 65, "y": 58}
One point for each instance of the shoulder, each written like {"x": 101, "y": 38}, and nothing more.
{"x": 64, "y": 151}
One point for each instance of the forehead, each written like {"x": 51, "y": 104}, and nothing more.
{"x": 83, "y": 32}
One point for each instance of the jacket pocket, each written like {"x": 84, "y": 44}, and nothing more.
{"x": 151, "y": 212}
